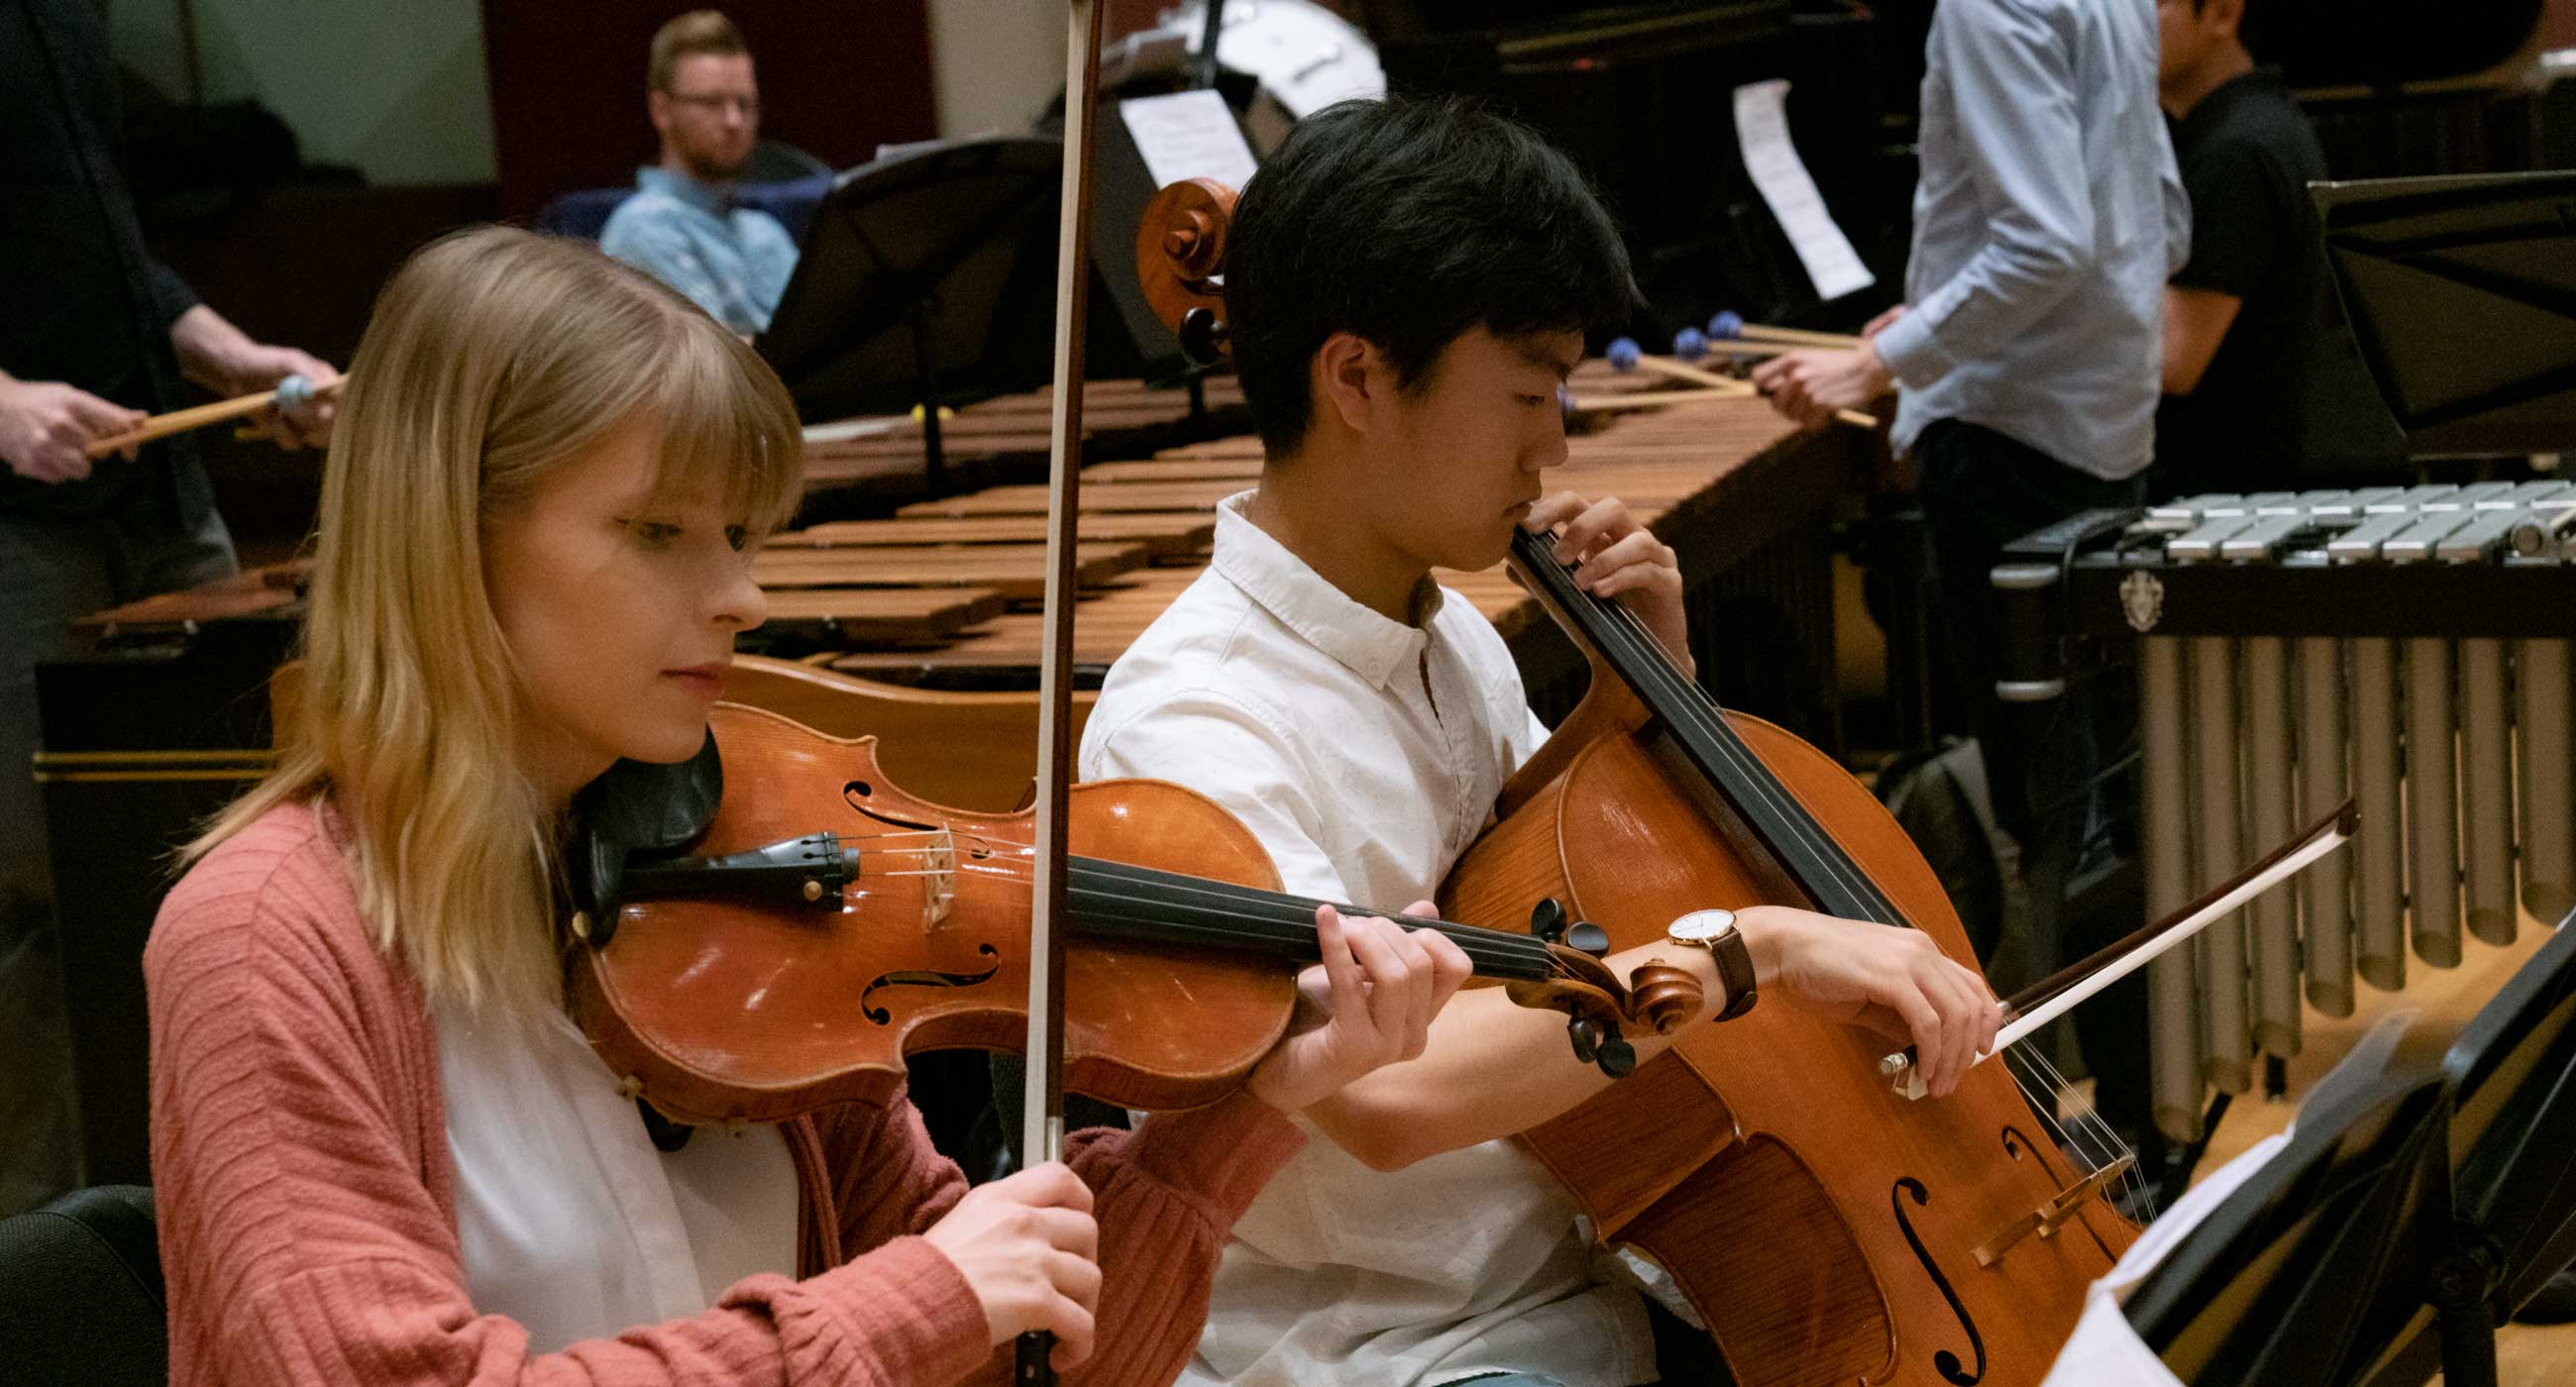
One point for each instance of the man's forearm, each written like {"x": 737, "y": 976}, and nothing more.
{"x": 1491, "y": 1069}
{"x": 210, "y": 349}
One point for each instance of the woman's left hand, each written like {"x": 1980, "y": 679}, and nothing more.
{"x": 1620, "y": 558}
{"x": 1368, "y": 1004}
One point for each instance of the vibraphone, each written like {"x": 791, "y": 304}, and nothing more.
{"x": 2404, "y": 646}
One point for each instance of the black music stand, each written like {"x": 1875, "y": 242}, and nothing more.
{"x": 2462, "y": 294}
{"x": 2303, "y": 1274}
{"x": 929, "y": 278}
{"x": 2513, "y": 1123}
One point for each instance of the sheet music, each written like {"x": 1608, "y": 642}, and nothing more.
{"x": 1188, "y": 135}
{"x": 1762, "y": 128}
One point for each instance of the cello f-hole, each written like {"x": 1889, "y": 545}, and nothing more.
{"x": 2015, "y": 1134}
{"x": 1945, "y": 1361}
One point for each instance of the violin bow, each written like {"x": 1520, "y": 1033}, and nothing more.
{"x": 1042, "y": 1092}
{"x": 2060, "y": 992}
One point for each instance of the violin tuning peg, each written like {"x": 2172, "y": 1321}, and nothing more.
{"x": 1586, "y": 1035}
{"x": 581, "y": 924}
{"x": 1584, "y": 936}
{"x": 1547, "y": 921}
{"x": 1203, "y": 337}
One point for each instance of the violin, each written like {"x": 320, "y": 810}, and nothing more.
{"x": 1824, "y": 1228}
{"x": 772, "y": 926}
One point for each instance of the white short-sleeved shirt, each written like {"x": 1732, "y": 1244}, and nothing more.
{"x": 571, "y": 1222}
{"x": 1366, "y": 755}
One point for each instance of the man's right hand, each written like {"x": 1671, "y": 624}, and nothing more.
{"x": 1888, "y": 979}
{"x": 1029, "y": 1249}
{"x": 46, "y": 426}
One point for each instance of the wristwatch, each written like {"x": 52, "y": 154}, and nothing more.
{"x": 1715, "y": 931}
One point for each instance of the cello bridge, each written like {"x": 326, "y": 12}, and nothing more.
{"x": 2052, "y": 1215}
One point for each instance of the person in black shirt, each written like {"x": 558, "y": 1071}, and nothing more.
{"x": 2243, "y": 317}
{"x": 96, "y": 334}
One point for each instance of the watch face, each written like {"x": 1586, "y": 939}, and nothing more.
{"x": 1700, "y": 926}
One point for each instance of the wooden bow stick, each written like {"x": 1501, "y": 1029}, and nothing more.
{"x": 291, "y": 393}
{"x": 2055, "y": 995}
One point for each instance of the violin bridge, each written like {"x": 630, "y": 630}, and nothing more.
{"x": 938, "y": 868}
{"x": 2051, "y": 1216}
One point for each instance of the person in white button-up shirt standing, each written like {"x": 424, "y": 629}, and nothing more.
{"x": 1408, "y": 285}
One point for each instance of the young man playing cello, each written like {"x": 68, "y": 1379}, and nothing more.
{"x": 1407, "y": 286}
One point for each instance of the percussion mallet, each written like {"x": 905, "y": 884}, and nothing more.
{"x": 1690, "y": 344}
{"x": 1729, "y": 326}
{"x": 1625, "y": 355}
{"x": 294, "y": 392}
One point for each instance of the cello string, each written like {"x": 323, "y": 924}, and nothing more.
{"x": 2090, "y": 1133}
{"x": 1650, "y": 661}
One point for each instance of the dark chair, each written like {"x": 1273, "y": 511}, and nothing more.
{"x": 80, "y": 1293}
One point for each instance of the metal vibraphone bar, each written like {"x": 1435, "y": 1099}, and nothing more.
{"x": 2407, "y": 647}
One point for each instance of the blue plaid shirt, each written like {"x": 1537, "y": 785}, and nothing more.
{"x": 732, "y": 261}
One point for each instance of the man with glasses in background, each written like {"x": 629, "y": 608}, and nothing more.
{"x": 682, "y": 226}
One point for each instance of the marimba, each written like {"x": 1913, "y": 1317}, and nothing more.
{"x": 1740, "y": 494}
{"x": 2406, "y": 646}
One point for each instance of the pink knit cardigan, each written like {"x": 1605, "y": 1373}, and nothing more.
{"x": 308, "y": 1214}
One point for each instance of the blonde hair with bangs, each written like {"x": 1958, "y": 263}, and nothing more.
{"x": 495, "y": 357}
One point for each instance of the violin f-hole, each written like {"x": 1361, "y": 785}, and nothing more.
{"x": 922, "y": 977}
{"x": 1945, "y": 1361}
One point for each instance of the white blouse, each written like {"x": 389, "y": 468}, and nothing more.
{"x": 572, "y": 1223}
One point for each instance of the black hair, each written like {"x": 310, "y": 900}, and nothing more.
{"x": 1408, "y": 223}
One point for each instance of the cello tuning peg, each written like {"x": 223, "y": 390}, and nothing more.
{"x": 1547, "y": 921}
{"x": 1618, "y": 1057}
{"x": 1586, "y": 1035}
{"x": 1584, "y": 936}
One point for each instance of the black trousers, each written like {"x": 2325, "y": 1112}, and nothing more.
{"x": 2045, "y": 763}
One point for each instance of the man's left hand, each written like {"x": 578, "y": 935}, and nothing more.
{"x": 1809, "y": 386}
{"x": 1620, "y": 558}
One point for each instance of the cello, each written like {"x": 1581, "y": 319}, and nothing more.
{"x": 1822, "y": 1227}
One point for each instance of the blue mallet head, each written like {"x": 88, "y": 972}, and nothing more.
{"x": 1689, "y": 344}
{"x": 1624, "y": 354}
{"x": 1727, "y": 326}
{"x": 294, "y": 392}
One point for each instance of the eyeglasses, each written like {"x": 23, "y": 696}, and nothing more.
{"x": 748, "y": 105}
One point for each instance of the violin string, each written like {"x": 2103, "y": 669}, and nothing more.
{"x": 1238, "y": 899}
{"x": 1502, "y": 954}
